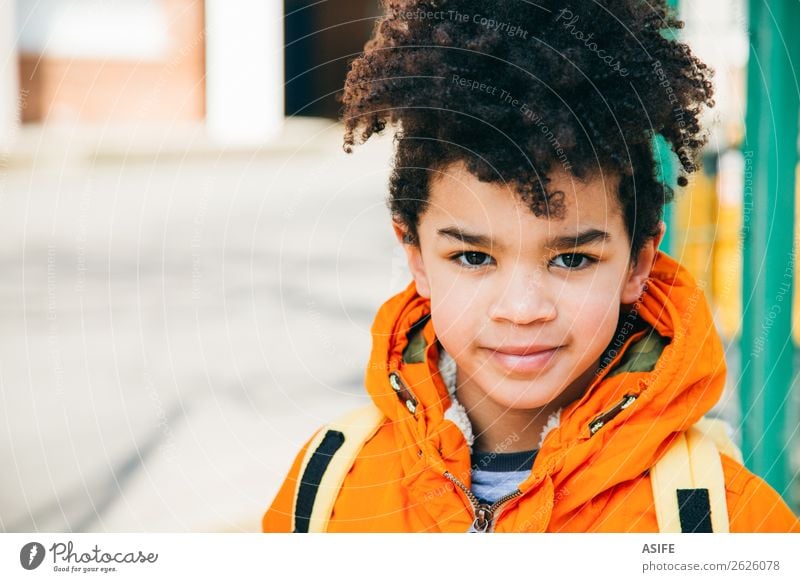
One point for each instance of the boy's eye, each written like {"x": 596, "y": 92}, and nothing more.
{"x": 574, "y": 261}
{"x": 571, "y": 261}
{"x": 472, "y": 259}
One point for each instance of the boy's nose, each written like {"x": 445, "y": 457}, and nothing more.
{"x": 523, "y": 299}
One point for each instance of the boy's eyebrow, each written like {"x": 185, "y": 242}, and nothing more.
{"x": 479, "y": 240}
{"x": 557, "y": 242}
{"x": 582, "y": 238}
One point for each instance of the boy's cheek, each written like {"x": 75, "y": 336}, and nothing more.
{"x": 456, "y": 325}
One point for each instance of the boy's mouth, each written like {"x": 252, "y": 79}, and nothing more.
{"x": 524, "y": 359}
{"x": 524, "y": 350}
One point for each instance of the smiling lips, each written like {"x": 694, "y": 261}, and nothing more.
{"x": 523, "y": 359}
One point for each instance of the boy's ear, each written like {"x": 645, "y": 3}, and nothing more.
{"x": 640, "y": 270}
{"x": 414, "y": 257}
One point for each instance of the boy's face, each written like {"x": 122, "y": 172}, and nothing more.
{"x": 525, "y": 311}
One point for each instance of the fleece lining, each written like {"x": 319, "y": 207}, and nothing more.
{"x": 456, "y": 412}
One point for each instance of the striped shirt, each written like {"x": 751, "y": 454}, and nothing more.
{"x": 495, "y": 475}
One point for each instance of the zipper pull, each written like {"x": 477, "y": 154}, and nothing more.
{"x": 484, "y": 513}
{"x": 483, "y": 519}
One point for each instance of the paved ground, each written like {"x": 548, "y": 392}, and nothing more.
{"x": 175, "y": 326}
{"x": 177, "y": 321}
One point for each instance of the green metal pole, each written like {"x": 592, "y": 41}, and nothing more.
{"x": 770, "y": 152}
{"x": 665, "y": 162}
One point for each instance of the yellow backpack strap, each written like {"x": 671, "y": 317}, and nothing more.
{"x": 327, "y": 461}
{"x": 717, "y": 430}
{"x": 688, "y": 482}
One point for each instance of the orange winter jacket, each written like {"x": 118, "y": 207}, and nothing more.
{"x": 587, "y": 476}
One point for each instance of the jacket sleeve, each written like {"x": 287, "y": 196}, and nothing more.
{"x": 754, "y": 506}
{"x": 278, "y": 518}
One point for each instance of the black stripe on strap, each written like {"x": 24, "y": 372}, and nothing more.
{"x": 312, "y": 476}
{"x": 695, "y": 510}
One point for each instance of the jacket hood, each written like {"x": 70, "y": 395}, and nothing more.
{"x": 662, "y": 372}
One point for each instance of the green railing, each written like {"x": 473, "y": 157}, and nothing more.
{"x": 770, "y": 152}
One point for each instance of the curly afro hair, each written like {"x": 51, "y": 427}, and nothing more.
{"x": 518, "y": 90}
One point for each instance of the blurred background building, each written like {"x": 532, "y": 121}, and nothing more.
{"x": 180, "y": 61}
{"x": 191, "y": 264}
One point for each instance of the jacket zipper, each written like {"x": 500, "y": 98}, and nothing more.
{"x": 484, "y": 513}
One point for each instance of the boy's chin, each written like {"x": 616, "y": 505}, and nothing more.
{"x": 514, "y": 400}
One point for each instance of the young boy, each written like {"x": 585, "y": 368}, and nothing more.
{"x": 546, "y": 356}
